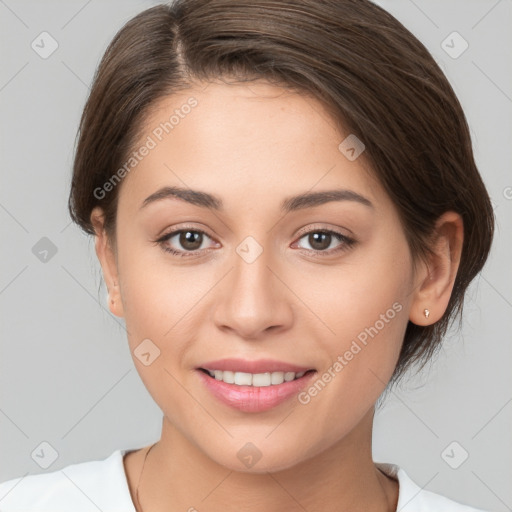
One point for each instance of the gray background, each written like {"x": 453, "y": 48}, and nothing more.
{"x": 66, "y": 374}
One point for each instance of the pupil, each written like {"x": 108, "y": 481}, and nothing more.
{"x": 319, "y": 240}
{"x": 189, "y": 240}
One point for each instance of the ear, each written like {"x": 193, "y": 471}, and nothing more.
{"x": 107, "y": 259}
{"x": 436, "y": 276}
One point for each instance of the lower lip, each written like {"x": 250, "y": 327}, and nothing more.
{"x": 251, "y": 398}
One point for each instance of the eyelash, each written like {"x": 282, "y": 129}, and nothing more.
{"x": 346, "y": 244}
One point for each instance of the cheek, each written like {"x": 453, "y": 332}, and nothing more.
{"x": 161, "y": 303}
{"x": 158, "y": 299}
{"x": 365, "y": 306}
{"x": 370, "y": 292}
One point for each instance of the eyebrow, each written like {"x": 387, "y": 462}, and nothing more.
{"x": 298, "y": 202}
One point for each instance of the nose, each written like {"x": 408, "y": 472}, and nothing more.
{"x": 254, "y": 298}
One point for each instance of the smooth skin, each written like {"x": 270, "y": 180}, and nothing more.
{"x": 254, "y": 145}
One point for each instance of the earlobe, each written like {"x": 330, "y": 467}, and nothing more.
{"x": 114, "y": 301}
{"x": 107, "y": 259}
{"x": 438, "y": 273}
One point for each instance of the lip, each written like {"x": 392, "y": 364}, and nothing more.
{"x": 251, "y": 398}
{"x": 259, "y": 366}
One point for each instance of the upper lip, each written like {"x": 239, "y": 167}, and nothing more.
{"x": 259, "y": 366}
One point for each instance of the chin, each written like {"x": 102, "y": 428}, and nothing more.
{"x": 260, "y": 456}
{"x": 272, "y": 464}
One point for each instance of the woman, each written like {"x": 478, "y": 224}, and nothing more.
{"x": 287, "y": 213}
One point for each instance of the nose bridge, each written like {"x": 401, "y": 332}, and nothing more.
{"x": 254, "y": 301}
{"x": 251, "y": 276}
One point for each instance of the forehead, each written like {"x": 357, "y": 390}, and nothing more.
{"x": 246, "y": 142}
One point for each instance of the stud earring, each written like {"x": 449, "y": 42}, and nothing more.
{"x": 426, "y": 312}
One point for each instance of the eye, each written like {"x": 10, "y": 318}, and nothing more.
{"x": 319, "y": 241}
{"x": 186, "y": 242}
{"x": 189, "y": 241}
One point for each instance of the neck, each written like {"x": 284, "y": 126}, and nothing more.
{"x": 178, "y": 476}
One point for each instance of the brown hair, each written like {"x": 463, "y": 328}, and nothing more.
{"x": 375, "y": 78}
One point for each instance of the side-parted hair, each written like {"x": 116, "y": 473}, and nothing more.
{"x": 373, "y": 76}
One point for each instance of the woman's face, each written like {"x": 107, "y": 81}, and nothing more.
{"x": 261, "y": 283}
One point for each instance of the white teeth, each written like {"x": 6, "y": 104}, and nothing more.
{"x": 257, "y": 380}
{"x": 243, "y": 379}
{"x": 276, "y": 377}
{"x": 228, "y": 377}
{"x": 261, "y": 379}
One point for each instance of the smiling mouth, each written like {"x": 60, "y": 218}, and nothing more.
{"x": 257, "y": 380}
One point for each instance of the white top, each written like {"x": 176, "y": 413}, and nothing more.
{"x": 102, "y": 485}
